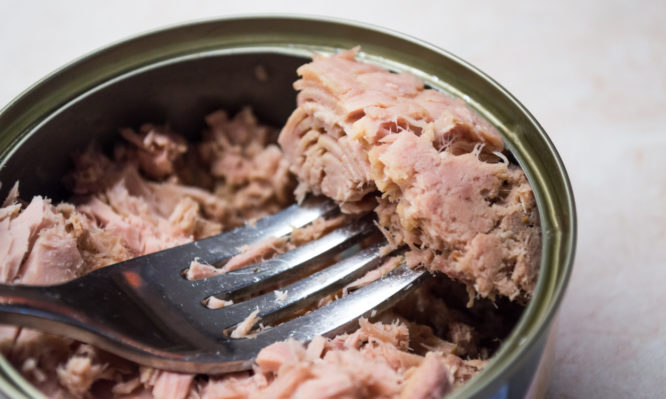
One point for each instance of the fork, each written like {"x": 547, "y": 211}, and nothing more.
{"x": 145, "y": 310}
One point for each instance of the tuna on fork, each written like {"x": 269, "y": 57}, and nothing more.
{"x": 432, "y": 168}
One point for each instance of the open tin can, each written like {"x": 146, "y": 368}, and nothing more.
{"x": 179, "y": 74}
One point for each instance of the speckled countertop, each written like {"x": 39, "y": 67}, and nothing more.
{"x": 593, "y": 73}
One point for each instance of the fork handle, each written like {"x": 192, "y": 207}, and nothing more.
{"x": 82, "y": 309}
{"x": 101, "y": 308}
{"x": 37, "y": 307}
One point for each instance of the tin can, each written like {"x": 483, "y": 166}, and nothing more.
{"x": 180, "y": 73}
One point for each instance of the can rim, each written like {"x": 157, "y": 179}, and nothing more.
{"x": 541, "y": 309}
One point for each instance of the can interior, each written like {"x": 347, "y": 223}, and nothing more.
{"x": 178, "y": 93}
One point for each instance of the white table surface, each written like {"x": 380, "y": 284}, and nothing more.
{"x": 592, "y": 72}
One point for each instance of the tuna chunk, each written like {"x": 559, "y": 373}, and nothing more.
{"x": 356, "y": 365}
{"x": 81, "y": 371}
{"x": 172, "y": 385}
{"x": 157, "y": 149}
{"x": 255, "y": 253}
{"x": 334, "y": 372}
{"x": 244, "y": 328}
{"x": 274, "y": 356}
{"x": 198, "y": 270}
{"x": 54, "y": 258}
{"x": 235, "y": 386}
{"x": 352, "y": 366}
{"x": 345, "y": 105}
{"x": 18, "y": 235}
{"x": 431, "y": 380}
{"x": 435, "y": 167}
{"x": 36, "y": 248}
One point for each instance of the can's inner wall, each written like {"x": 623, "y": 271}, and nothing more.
{"x": 179, "y": 94}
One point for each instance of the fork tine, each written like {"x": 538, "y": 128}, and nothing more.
{"x": 213, "y": 250}
{"x": 340, "y": 315}
{"x": 301, "y": 293}
{"x": 335, "y": 318}
{"x": 298, "y": 261}
{"x": 217, "y": 248}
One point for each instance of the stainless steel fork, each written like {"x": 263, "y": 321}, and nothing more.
{"x": 145, "y": 310}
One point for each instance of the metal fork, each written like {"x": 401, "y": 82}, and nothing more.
{"x": 145, "y": 310}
